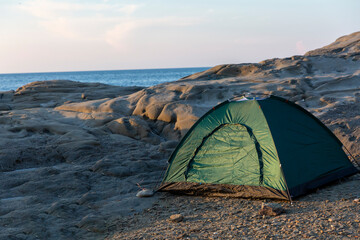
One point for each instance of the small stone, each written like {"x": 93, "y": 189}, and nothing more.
{"x": 271, "y": 209}
{"x": 176, "y": 218}
{"x": 4, "y": 107}
{"x": 357, "y": 200}
{"x": 145, "y": 193}
{"x": 330, "y": 220}
{"x": 183, "y": 236}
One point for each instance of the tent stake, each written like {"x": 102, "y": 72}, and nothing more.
{"x": 357, "y": 165}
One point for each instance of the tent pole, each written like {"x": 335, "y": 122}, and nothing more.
{"x": 287, "y": 188}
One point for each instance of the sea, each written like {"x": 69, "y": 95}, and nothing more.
{"x": 139, "y": 77}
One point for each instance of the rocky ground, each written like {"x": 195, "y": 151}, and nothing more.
{"x": 73, "y": 155}
{"x": 329, "y": 213}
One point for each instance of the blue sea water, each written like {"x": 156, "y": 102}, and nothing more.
{"x": 141, "y": 77}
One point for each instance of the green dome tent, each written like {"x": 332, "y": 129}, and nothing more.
{"x": 260, "y": 148}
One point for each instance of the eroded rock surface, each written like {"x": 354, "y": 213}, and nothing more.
{"x": 73, "y": 155}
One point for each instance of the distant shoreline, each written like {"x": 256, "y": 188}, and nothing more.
{"x": 134, "y": 77}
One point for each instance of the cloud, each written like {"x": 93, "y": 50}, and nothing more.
{"x": 51, "y": 9}
{"x": 78, "y": 21}
{"x": 106, "y": 22}
{"x": 48, "y": 9}
{"x": 129, "y": 9}
{"x": 118, "y": 35}
{"x": 300, "y": 47}
{"x": 63, "y": 27}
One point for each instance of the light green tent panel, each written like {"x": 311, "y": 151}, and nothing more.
{"x": 240, "y": 163}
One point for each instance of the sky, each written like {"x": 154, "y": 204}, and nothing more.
{"x": 79, "y": 35}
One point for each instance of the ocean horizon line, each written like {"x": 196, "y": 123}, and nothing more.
{"x": 111, "y": 70}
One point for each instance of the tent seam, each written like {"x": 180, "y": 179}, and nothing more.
{"x": 277, "y": 154}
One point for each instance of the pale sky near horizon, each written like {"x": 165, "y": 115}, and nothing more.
{"x": 74, "y": 35}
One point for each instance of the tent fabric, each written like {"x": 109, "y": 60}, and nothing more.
{"x": 223, "y": 190}
{"x": 263, "y": 148}
{"x": 315, "y": 152}
{"x": 232, "y": 143}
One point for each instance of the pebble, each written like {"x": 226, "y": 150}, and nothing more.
{"x": 271, "y": 209}
{"x": 145, "y": 193}
{"x": 176, "y": 218}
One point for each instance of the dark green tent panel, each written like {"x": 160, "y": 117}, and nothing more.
{"x": 268, "y": 148}
{"x": 311, "y": 155}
